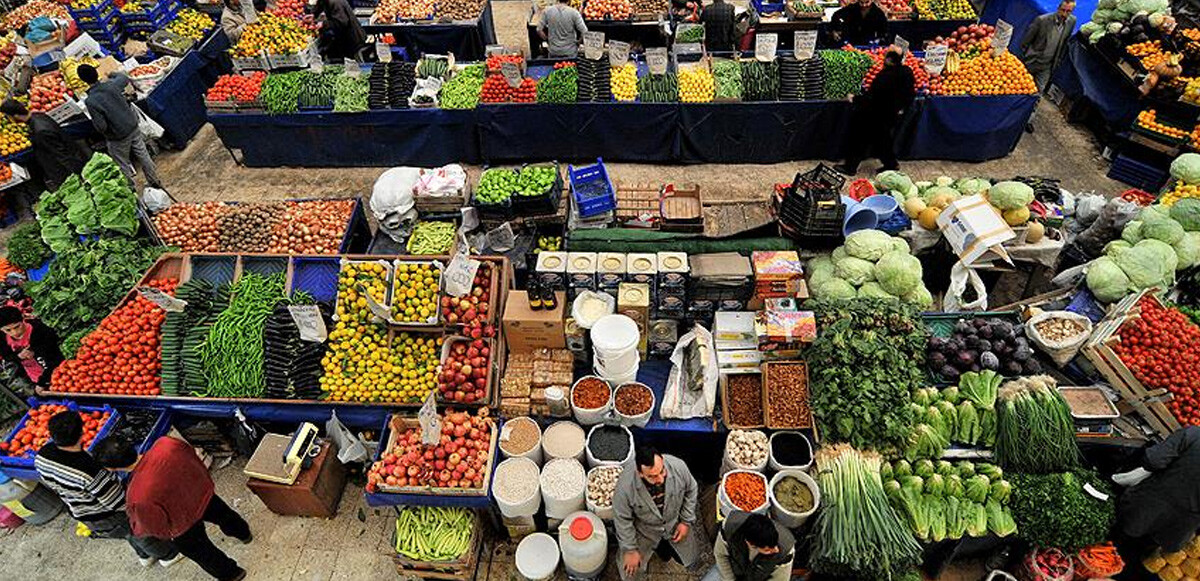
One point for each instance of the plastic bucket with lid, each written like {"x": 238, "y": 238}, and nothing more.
{"x": 883, "y": 205}
{"x": 784, "y": 516}
{"x": 616, "y": 363}
{"x": 537, "y": 557}
{"x": 858, "y": 217}
{"x": 583, "y": 541}
{"x": 535, "y": 452}
{"x": 614, "y": 335}
{"x": 519, "y": 468}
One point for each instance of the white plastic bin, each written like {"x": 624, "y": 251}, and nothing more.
{"x": 786, "y": 517}
{"x": 537, "y": 557}
{"x": 573, "y": 499}
{"x": 593, "y": 461}
{"x": 553, "y": 445}
{"x": 534, "y": 453}
{"x": 516, "y": 468}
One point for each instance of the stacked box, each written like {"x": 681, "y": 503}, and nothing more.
{"x": 777, "y": 274}
{"x": 581, "y": 273}
{"x": 551, "y": 270}
{"x": 610, "y": 272}
{"x": 671, "y": 282}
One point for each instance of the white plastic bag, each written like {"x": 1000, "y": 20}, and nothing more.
{"x": 448, "y": 180}
{"x": 156, "y": 200}
{"x": 960, "y": 277}
{"x": 685, "y": 401}
{"x": 429, "y": 87}
{"x": 585, "y": 319}
{"x": 350, "y": 447}
{"x": 149, "y": 128}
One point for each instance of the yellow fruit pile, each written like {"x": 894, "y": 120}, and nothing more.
{"x": 356, "y": 281}
{"x": 989, "y": 75}
{"x": 415, "y": 293}
{"x": 1175, "y": 566}
{"x": 273, "y": 34}
{"x": 14, "y": 136}
{"x": 1180, "y": 192}
{"x": 70, "y": 67}
{"x": 695, "y": 85}
{"x": 419, "y": 356}
{"x": 1147, "y": 119}
{"x": 360, "y": 365}
{"x": 192, "y": 24}
{"x": 624, "y": 82}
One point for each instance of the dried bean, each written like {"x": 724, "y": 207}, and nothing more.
{"x": 562, "y": 478}
{"x": 515, "y": 481}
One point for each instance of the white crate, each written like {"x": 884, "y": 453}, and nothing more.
{"x": 62, "y": 113}
{"x": 300, "y": 60}
{"x": 20, "y": 174}
{"x": 254, "y": 63}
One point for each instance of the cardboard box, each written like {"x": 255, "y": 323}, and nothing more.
{"x": 734, "y": 330}
{"x": 975, "y": 230}
{"x": 527, "y": 330}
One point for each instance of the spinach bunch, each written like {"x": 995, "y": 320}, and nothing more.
{"x": 26, "y": 250}
{"x": 1053, "y": 510}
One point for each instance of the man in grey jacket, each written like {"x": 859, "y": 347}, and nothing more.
{"x": 1045, "y": 40}
{"x": 114, "y": 118}
{"x": 752, "y": 547}
{"x": 654, "y": 510}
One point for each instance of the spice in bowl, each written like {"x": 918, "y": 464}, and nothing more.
{"x": 787, "y": 396}
{"x": 793, "y": 495}
{"x": 590, "y": 393}
{"x": 791, "y": 449}
{"x": 633, "y": 399}
{"x": 746, "y": 490}
{"x": 519, "y": 436}
{"x": 743, "y": 396}
{"x": 609, "y": 444}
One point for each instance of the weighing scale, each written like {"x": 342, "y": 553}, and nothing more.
{"x": 280, "y": 458}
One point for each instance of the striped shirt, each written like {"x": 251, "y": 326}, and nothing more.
{"x": 89, "y": 491}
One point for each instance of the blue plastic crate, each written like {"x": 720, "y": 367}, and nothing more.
{"x": 767, "y": 7}
{"x": 40, "y": 272}
{"x": 218, "y": 269}
{"x": 96, "y": 12}
{"x": 1137, "y": 174}
{"x": 317, "y": 276}
{"x": 26, "y": 461}
{"x": 592, "y": 188}
{"x": 264, "y": 265}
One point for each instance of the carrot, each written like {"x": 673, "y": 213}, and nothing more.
{"x": 746, "y": 491}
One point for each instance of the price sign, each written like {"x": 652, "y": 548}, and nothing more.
{"x": 501, "y": 238}
{"x": 350, "y": 68}
{"x": 383, "y": 52}
{"x": 804, "y": 44}
{"x": 512, "y": 73}
{"x": 494, "y": 49}
{"x": 248, "y": 11}
{"x": 460, "y": 274}
{"x": 317, "y": 66}
{"x": 376, "y": 309}
{"x": 431, "y": 424}
{"x": 1003, "y": 36}
{"x": 162, "y": 300}
{"x": 618, "y": 53}
{"x": 901, "y": 44}
{"x": 656, "y": 60}
{"x": 593, "y": 44}
{"x": 935, "y": 59}
{"x": 1096, "y": 494}
{"x": 14, "y": 68}
{"x": 308, "y": 319}
{"x": 764, "y": 47}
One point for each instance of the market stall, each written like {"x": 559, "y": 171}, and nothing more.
{"x": 466, "y": 39}
{"x": 177, "y": 102}
{"x": 1020, "y": 14}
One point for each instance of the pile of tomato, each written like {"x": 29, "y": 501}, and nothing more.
{"x": 237, "y": 88}
{"x": 36, "y": 432}
{"x": 495, "y": 90}
{"x": 916, "y": 65}
{"x": 1162, "y": 348}
{"x": 526, "y": 92}
{"x": 494, "y": 61}
{"x": 123, "y": 354}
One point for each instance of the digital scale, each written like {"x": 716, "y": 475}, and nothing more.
{"x": 280, "y": 458}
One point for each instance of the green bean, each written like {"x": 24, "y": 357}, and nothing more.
{"x": 431, "y": 238}
{"x": 232, "y": 354}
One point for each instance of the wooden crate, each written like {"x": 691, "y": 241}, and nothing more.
{"x": 636, "y": 202}
{"x": 725, "y": 416}
{"x": 398, "y": 423}
{"x": 1099, "y": 351}
{"x": 767, "y": 368}
{"x": 461, "y": 569}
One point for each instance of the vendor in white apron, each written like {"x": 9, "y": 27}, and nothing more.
{"x": 654, "y": 510}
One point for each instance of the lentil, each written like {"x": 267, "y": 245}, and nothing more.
{"x": 633, "y": 399}
{"x": 602, "y": 482}
{"x": 523, "y": 435}
{"x": 563, "y": 440}
{"x": 793, "y": 495}
{"x": 791, "y": 449}
{"x": 562, "y": 478}
{"x": 787, "y": 396}
{"x": 590, "y": 393}
{"x": 515, "y": 481}
{"x": 609, "y": 443}
{"x": 743, "y": 395}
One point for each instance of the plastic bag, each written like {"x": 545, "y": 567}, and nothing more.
{"x": 156, "y": 200}
{"x": 448, "y": 180}
{"x": 149, "y": 128}
{"x": 1106, "y": 227}
{"x": 1087, "y": 209}
{"x": 350, "y": 447}
{"x": 960, "y": 277}
{"x": 586, "y": 319}
{"x": 429, "y": 88}
{"x": 1062, "y": 351}
{"x": 692, "y": 386}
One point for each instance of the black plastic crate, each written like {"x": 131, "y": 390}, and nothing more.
{"x": 542, "y": 204}
{"x": 821, "y": 174}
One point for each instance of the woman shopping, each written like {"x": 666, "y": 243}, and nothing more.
{"x": 30, "y": 344}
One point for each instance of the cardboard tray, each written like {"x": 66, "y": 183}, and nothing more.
{"x": 724, "y": 384}
{"x": 767, "y": 368}
{"x": 397, "y": 423}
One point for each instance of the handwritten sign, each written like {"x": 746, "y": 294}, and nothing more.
{"x": 618, "y": 53}
{"x": 1004, "y": 32}
{"x": 804, "y": 44}
{"x": 383, "y": 52}
{"x": 901, "y": 44}
{"x": 935, "y": 59}
{"x": 764, "y": 47}
{"x": 162, "y": 300}
{"x": 460, "y": 274}
{"x": 248, "y": 11}
{"x": 593, "y": 44}
{"x": 501, "y": 238}
{"x": 310, "y": 323}
{"x": 431, "y": 424}
{"x": 656, "y": 60}
{"x": 512, "y": 73}
{"x": 351, "y": 68}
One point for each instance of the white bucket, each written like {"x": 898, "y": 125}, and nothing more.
{"x": 641, "y": 419}
{"x": 786, "y": 517}
{"x": 559, "y": 508}
{"x": 776, "y": 465}
{"x": 618, "y": 362}
{"x": 593, "y": 461}
{"x": 558, "y": 429}
{"x": 534, "y": 453}
{"x": 516, "y": 507}
{"x": 591, "y": 417}
{"x": 537, "y": 557}
{"x": 727, "y": 507}
{"x": 613, "y": 335}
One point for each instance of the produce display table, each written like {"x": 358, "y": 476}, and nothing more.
{"x": 1084, "y": 74}
{"x": 177, "y": 103}
{"x": 1020, "y": 14}
{"x": 465, "y": 38}
{"x": 950, "y": 128}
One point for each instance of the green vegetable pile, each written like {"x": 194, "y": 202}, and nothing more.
{"x": 857, "y": 534}
{"x": 658, "y": 88}
{"x": 280, "y": 92}
{"x": 317, "y": 89}
{"x": 535, "y": 180}
{"x": 350, "y": 94}
{"x": 1034, "y": 429}
{"x": 760, "y": 81}
{"x": 496, "y": 186}
{"x": 232, "y": 355}
{"x": 427, "y": 533}
{"x": 872, "y": 353}
{"x": 727, "y": 78}
{"x": 182, "y": 370}
{"x": 1053, "y": 510}
{"x": 462, "y": 90}
{"x": 690, "y": 34}
{"x": 963, "y": 413}
{"x": 431, "y": 238}
{"x": 1152, "y": 249}
{"x": 560, "y": 86}
{"x": 87, "y": 280}
{"x": 871, "y": 264}
{"x": 940, "y": 500}
{"x": 26, "y": 250}
{"x": 71, "y": 344}
{"x": 435, "y": 67}
{"x": 844, "y": 72}
{"x": 98, "y": 202}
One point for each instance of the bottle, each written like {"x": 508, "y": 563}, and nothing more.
{"x": 549, "y": 299}
{"x": 535, "y": 295}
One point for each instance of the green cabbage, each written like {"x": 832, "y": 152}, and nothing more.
{"x": 819, "y": 263}
{"x": 838, "y": 254}
{"x": 1142, "y": 265}
{"x": 1188, "y": 250}
{"x": 895, "y": 181}
{"x": 834, "y": 288}
{"x": 972, "y": 186}
{"x": 1096, "y": 36}
{"x": 1114, "y": 245}
{"x": 872, "y": 290}
{"x": 921, "y": 297}
{"x": 1090, "y": 28}
{"x": 1153, "y": 214}
{"x": 900, "y": 245}
{"x": 898, "y": 273}
{"x": 937, "y": 190}
{"x": 1106, "y": 280}
{"x": 1165, "y": 230}
{"x": 1187, "y": 212}
{"x": 868, "y": 244}
{"x": 1010, "y": 195}
{"x": 1186, "y": 168}
{"x": 944, "y": 181}
{"x": 855, "y": 271}
{"x": 1132, "y": 233}
{"x": 1165, "y": 254}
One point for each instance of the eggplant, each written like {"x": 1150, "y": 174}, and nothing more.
{"x": 972, "y": 341}
{"x": 984, "y": 345}
{"x": 1032, "y": 367}
{"x": 989, "y": 360}
{"x": 950, "y": 373}
{"x": 937, "y": 360}
{"x": 1012, "y": 368}
{"x": 986, "y": 332}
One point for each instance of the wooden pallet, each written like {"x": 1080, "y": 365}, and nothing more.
{"x": 1148, "y": 404}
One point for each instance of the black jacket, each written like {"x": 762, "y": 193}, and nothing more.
{"x": 44, "y": 344}
{"x": 56, "y": 154}
{"x": 342, "y": 36}
{"x": 738, "y": 552}
{"x": 856, "y": 28}
{"x": 892, "y": 91}
{"x": 1166, "y": 506}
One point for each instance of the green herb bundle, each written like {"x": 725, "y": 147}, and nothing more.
{"x": 1053, "y": 510}
{"x": 1034, "y": 429}
{"x": 26, "y": 250}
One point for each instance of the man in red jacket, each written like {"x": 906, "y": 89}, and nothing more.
{"x": 170, "y": 496}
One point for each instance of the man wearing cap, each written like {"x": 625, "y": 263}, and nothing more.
{"x": 654, "y": 508}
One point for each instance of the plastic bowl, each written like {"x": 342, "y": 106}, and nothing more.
{"x": 882, "y": 204}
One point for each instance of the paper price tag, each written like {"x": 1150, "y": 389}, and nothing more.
{"x": 593, "y": 44}
{"x": 656, "y": 60}
{"x": 308, "y": 319}
{"x": 764, "y": 47}
{"x": 501, "y": 238}
{"x": 935, "y": 59}
{"x": 901, "y": 44}
{"x": 350, "y": 68}
{"x": 376, "y": 309}
{"x": 431, "y": 424}
{"x": 14, "y": 68}
{"x": 1096, "y": 494}
{"x": 494, "y": 49}
{"x": 460, "y": 274}
{"x": 1004, "y": 32}
{"x": 804, "y": 44}
{"x": 248, "y": 10}
{"x": 383, "y": 52}
{"x": 512, "y": 73}
{"x": 162, "y": 300}
{"x": 618, "y": 53}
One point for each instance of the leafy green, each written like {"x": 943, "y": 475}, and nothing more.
{"x": 117, "y": 206}
{"x": 81, "y": 210}
{"x": 26, "y": 250}
{"x": 57, "y": 234}
{"x": 101, "y": 168}
{"x": 1053, "y": 510}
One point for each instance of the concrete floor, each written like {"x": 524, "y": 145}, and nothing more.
{"x": 355, "y": 545}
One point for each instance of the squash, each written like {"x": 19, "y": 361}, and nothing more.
{"x": 940, "y": 201}
{"x": 1036, "y": 232}
{"x": 1016, "y": 217}
{"x": 913, "y": 207}
{"x": 928, "y": 218}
